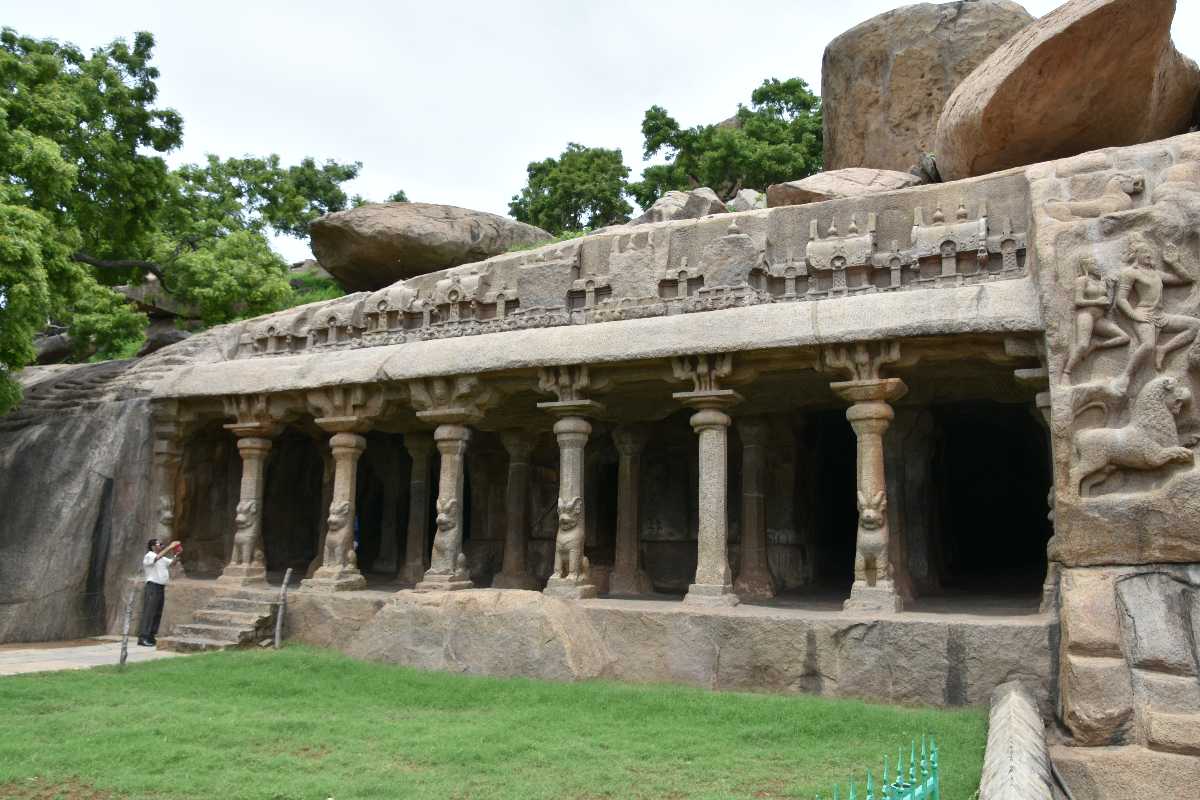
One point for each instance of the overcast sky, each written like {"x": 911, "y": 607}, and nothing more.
{"x": 450, "y": 100}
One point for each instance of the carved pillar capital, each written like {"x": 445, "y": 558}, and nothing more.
{"x": 570, "y": 384}
{"x": 455, "y": 400}
{"x": 349, "y": 409}
{"x": 861, "y": 361}
{"x": 518, "y": 444}
{"x": 256, "y": 415}
{"x": 630, "y": 440}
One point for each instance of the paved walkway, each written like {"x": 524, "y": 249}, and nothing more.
{"x": 17, "y": 659}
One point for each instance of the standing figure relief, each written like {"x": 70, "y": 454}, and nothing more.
{"x": 247, "y": 547}
{"x": 1094, "y": 296}
{"x": 1140, "y": 298}
{"x": 871, "y": 563}
{"x": 339, "y": 541}
{"x": 569, "y": 560}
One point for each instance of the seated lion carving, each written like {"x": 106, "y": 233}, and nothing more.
{"x": 1148, "y": 441}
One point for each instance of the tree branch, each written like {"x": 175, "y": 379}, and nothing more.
{"x": 123, "y": 264}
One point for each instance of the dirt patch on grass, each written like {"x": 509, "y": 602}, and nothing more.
{"x": 38, "y": 789}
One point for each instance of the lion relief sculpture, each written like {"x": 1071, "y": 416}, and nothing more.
{"x": 1148, "y": 441}
{"x": 247, "y": 545}
{"x": 446, "y": 541}
{"x": 339, "y": 539}
{"x": 871, "y": 557}
{"x": 569, "y": 561}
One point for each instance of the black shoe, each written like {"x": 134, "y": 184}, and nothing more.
{"x": 145, "y": 643}
{"x": 153, "y": 640}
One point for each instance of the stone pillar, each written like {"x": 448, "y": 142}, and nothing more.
{"x": 1053, "y": 566}
{"x": 167, "y": 458}
{"x": 572, "y": 574}
{"x": 247, "y": 565}
{"x": 420, "y": 450}
{"x": 448, "y": 566}
{"x": 628, "y": 577}
{"x": 339, "y": 561}
{"x": 514, "y": 574}
{"x": 876, "y": 561}
{"x": 754, "y": 572}
{"x": 713, "y": 584}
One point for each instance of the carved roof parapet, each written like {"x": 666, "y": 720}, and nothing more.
{"x": 963, "y": 232}
{"x": 836, "y": 253}
{"x": 456, "y": 399}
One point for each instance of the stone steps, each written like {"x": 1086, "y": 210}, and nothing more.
{"x": 241, "y": 619}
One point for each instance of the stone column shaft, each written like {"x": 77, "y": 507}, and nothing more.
{"x": 754, "y": 571}
{"x": 339, "y": 561}
{"x": 448, "y": 565}
{"x": 875, "y": 587}
{"x": 247, "y": 564}
{"x": 628, "y": 577}
{"x": 514, "y": 574}
{"x": 420, "y": 450}
{"x": 712, "y": 584}
{"x": 571, "y": 576}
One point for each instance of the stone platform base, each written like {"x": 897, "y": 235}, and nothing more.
{"x": 570, "y": 590}
{"x": 928, "y": 658}
{"x": 334, "y": 580}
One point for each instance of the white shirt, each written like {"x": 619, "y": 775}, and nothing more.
{"x": 157, "y": 571}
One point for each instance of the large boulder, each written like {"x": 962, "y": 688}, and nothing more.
{"x": 375, "y": 245}
{"x": 683, "y": 205}
{"x": 884, "y": 82}
{"x": 1091, "y": 74}
{"x": 850, "y": 182}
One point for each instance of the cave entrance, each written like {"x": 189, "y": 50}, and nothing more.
{"x": 292, "y": 501}
{"x": 830, "y": 479}
{"x": 991, "y": 475}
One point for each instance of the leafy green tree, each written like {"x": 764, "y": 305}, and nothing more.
{"x": 582, "y": 188}
{"x": 398, "y": 197}
{"x": 87, "y": 202}
{"x": 778, "y": 138}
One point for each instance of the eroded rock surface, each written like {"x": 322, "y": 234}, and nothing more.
{"x": 850, "y": 182}
{"x": 372, "y": 246}
{"x": 1090, "y": 74}
{"x": 884, "y": 82}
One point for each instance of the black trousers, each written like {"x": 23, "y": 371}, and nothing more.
{"x": 152, "y": 607}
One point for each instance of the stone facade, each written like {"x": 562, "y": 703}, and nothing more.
{"x": 865, "y": 409}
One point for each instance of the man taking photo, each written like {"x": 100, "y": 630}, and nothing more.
{"x": 156, "y": 564}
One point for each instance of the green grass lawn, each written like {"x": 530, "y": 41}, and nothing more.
{"x": 305, "y": 723}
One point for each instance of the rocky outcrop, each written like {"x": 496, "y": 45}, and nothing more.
{"x": 682, "y": 205}
{"x": 375, "y": 245}
{"x": 884, "y": 82}
{"x": 1091, "y": 74}
{"x": 747, "y": 200}
{"x": 850, "y": 182}
{"x": 75, "y": 484}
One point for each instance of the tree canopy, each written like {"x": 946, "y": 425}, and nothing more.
{"x": 582, "y": 188}
{"x": 88, "y": 202}
{"x": 777, "y": 138}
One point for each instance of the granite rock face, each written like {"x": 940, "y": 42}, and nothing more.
{"x": 75, "y": 510}
{"x": 884, "y": 82}
{"x": 850, "y": 182}
{"x": 1091, "y": 74}
{"x": 747, "y": 200}
{"x": 375, "y": 245}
